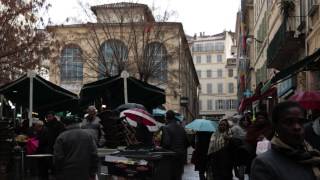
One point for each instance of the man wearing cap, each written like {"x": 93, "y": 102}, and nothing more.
{"x": 75, "y": 152}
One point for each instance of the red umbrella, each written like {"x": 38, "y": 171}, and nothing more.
{"x": 134, "y": 116}
{"x": 307, "y": 99}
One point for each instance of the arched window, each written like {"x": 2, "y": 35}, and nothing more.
{"x": 157, "y": 54}
{"x": 114, "y": 58}
{"x": 71, "y": 67}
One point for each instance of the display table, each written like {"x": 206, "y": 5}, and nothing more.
{"x": 139, "y": 164}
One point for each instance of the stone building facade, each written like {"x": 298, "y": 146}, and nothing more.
{"x": 127, "y": 37}
{"x": 284, "y": 35}
{"x": 215, "y": 62}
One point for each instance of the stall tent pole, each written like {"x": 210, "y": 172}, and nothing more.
{"x": 31, "y": 75}
{"x": 1, "y": 107}
{"x": 125, "y": 75}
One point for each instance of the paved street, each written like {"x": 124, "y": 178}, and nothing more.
{"x": 189, "y": 173}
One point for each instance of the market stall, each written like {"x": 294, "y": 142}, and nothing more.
{"x": 143, "y": 163}
{"x": 37, "y": 94}
{"x": 117, "y": 90}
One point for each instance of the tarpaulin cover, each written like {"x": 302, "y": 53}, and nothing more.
{"x": 111, "y": 90}
{"x": 46, "y": 95}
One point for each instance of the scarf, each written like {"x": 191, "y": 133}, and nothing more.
{"x": 305, "y": 155}
{"x": 217, "y": 141}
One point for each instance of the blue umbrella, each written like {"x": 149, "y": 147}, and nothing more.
{"x": 158, "y": 112}
{"x": 161, "y": 113}
{"x": 202, "y": 125}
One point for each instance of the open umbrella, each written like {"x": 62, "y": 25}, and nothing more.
{"x": 135, "y": 116}
{"x": 307, "y": 99}
{"x": 129, "y": 106}
{"x": 202, "y": 125}
{"x": 157, "y": 112}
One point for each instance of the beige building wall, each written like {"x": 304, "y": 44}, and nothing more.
{"x": 215, "y": 104}
{"x": 313, "y": 42}
{"x": 182, "y": 78}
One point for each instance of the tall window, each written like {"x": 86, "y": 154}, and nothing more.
{"x": 114, "y": 57}
{"x": 219, "y": 46}
{"x": 220, "y": 88}
{"x": 231, "y": 88}
{"x": 157, "y": 53}
{"x": 209, "y": 104}
{"x": 219, "y": 58}
{"x": 198, "y": 59}
{"x": 199, "y": 73}
{"x": 208, "y": 58}
{"x": 209, "y": 73}
{"x": 219, "y": 73}
{"x": 200, "y": 105}
{"x": 209, "y": 88}
{"x": 228, "y": 104}
{"x": 234, "y": 104}
{"x": 219, "y": 104}
{"x": 71, "y": 67}
{"x": 230, "y": 72}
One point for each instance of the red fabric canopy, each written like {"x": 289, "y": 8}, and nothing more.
{"x": 307, "y": 99}
{"x": 248, "y": 101}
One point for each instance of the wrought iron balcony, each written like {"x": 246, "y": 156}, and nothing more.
{"x": 285, "y": 43}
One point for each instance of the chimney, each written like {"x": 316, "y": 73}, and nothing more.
{"x": 195, "y": 36}
{"x": 200, "y": 34}
{"x": 203, "y": 33}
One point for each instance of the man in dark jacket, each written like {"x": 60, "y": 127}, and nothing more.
{"x": 47, "y": 135}
{"x": 290, "y": 157}
{"x": 54, "y": 128}
{"x": 75, "y": 153}
{"x": 174, "y": 138}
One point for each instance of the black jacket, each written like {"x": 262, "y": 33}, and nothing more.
{"x": 174, "y": 138}
{"x": 276, "y": 166}
{"x": 54, "y": 128}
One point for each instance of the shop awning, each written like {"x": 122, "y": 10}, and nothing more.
{"x": 111, "y": 90}
{"x": 248, "y": 101}
{"x": 46, "y": 95}
{"x": 305, "y": 64}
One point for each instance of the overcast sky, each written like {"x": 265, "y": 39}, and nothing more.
{"x": 209, "y": 16}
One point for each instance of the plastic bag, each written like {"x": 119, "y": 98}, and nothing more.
{"x": 263, "y": 146}
{"x": 32, "y": 145}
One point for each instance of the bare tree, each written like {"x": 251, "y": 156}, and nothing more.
{"x": 22, "y": 45}
{"x": 123, "y": 39}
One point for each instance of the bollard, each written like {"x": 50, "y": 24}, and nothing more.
{"x": 18, "y": 163}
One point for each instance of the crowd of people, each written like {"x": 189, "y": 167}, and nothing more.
{"x": 72, "y": 142}
{"x": 283, "y": 147}
{"x": 254, "y": 145}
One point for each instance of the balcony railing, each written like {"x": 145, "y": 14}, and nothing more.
{"x": 285, "y": 43}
